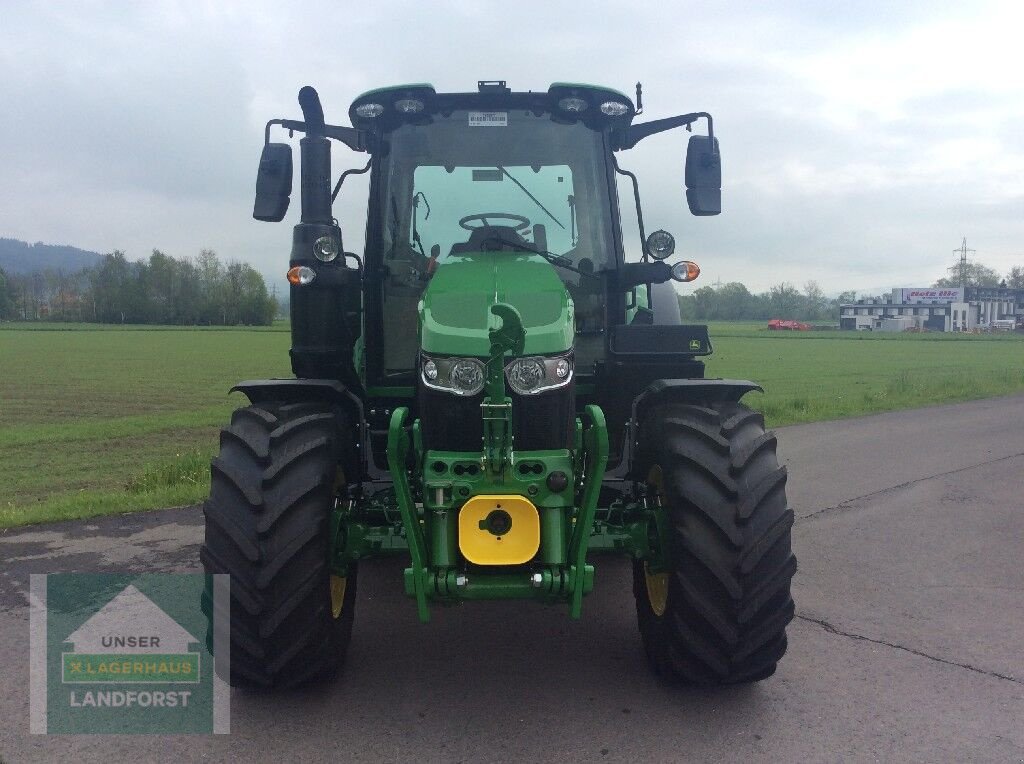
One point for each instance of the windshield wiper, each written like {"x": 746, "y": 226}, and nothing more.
{"x": 533, "y": 198}
{"x": 415, "y": 212}
{"x": 557, "y": 260}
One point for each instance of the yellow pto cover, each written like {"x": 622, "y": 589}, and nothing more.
{"x": 499, "y": 530}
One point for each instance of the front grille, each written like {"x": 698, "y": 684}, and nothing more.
{"x": 453, "y": 423}
{"x": 545, "y": 420}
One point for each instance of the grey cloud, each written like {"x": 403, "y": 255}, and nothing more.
{"x": 140, "y": 126}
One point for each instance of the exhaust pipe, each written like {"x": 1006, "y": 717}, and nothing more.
{"x": 315, "y": 151}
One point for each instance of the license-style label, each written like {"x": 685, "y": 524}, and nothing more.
{"x": 488, "y": 119}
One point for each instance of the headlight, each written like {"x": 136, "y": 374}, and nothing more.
{"x": 661, "y": 244}
{"x": 369, "y": 110}
{"x": 525, "y": 375}
{"x": 325, "y": 249}
{"x": 614, "y": 108}
{"x": 536, "y": 374}
{"x": 467, "y": 376}
{"x": 409, "y": 105}
{"x": 461, "y": 376}
{"x": 572, "y": 104}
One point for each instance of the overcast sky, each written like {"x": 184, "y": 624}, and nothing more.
{"x": 860, "y": 140}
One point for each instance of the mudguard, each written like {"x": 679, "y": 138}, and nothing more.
{"x": 300, "y": 390}
{"x": 353, "y": 442}
{"x": 692, "y": 391}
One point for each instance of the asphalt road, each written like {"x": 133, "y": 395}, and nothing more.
{"x": 906, "y": 645}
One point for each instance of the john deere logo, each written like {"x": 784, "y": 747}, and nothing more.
{"x": 694, "y": 344}
{"x": 116, "y": 660}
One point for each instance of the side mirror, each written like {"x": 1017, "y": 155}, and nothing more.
{"x": 273, "y": 183}
{"x": 703, "y": 176}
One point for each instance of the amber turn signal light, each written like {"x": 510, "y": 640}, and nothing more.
{"x": 301, "y": 275}
{"x": 687, "y": 270}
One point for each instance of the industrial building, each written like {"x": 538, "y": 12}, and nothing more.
{"x": 938, "y": 309}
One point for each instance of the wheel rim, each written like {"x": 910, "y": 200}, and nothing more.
{"x": 657, "y": 583}
{"x": 338, "y": 585}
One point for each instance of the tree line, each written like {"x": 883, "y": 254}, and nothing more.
{"x": 160, "y": 290}
{"x": 734, "y": 302}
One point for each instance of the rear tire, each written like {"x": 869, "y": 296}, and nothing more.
{"x": 718, "y": 614}
{"x": 272, "y": 491}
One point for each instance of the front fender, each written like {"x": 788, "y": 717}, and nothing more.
{"x": 300, "y": 391}
{"x": 691, "y": 391}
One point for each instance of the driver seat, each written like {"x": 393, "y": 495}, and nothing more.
{"x": 490, "y": 238}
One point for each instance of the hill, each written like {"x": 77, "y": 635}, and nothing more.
{"x": 20, "y": 257}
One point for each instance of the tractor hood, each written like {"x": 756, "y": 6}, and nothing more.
{"x": 455, "y": 312}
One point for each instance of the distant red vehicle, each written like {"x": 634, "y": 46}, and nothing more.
{"x": 779, "y": 324}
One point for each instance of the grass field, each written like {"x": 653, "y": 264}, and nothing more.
{"x": 100, "y": 420}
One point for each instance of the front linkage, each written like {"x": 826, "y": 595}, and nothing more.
{"x": 492, "y": 507}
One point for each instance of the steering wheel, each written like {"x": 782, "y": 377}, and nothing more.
{"x": 522, "y": 223}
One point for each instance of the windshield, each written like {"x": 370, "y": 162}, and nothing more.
{"x": 537, "y": 202}
{"x": 513, "y": 169}
{"x": 449, "y": 185}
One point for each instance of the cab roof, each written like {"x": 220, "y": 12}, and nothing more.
{"x": 577, "y": 101}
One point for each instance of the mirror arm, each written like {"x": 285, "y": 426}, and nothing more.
{"x": 632, "y": 135}
{"x": 633, "y": 275}
{"x": 357, "y": 140}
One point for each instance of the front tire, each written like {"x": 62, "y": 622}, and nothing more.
{"x": 717, "y": 614}
{"x": 273, "y": 488}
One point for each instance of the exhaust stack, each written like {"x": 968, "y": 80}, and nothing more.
{"x": 315, "y": 151}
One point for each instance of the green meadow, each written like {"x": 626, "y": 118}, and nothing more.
{"x": 98, "y": 420}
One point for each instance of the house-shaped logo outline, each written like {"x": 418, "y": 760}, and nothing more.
{"x": 132, "y": 612}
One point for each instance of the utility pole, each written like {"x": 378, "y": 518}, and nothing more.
{"x": 962, "y": 250}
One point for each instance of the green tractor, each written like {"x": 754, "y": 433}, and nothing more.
{"x": 495, "y": 394}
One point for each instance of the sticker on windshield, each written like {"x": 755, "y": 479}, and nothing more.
{"x": 488, "y": 119}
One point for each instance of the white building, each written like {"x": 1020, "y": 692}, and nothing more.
{"x": 950, "y": 309}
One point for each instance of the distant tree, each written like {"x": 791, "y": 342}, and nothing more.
{"x": 250, "y": 301}
{"x": 211, "y": 288}
{"x": 116, "y": 290}
{"x": 816, "y": 306}
{"x": 687, "y": 307}
{"x": 735, "y": 301}
{"x": 727, "y": 302}
{"x": 1015, "y": 278}
{"x": 705, "y": 302}
{"x": 975, "y": 274}
{"x": 786, "y": 301}
{"x": 6, "y": 297}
